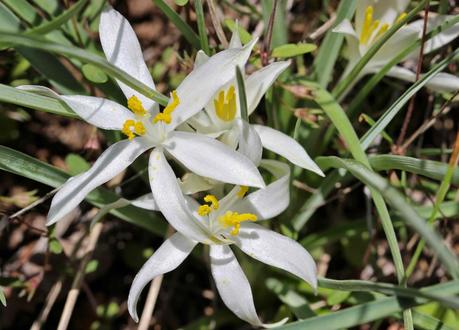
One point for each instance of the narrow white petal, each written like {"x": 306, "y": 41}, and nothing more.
{"x": 170, "y": 200}
{"x": 146, "y": 202}
{"x": 258, "y": 83}
{"x": 166, "y": 258}
{"x": 232, "y": 284}
{"x": 122, "y": 49}
{"x": 398, "y": 42}
{"x": 441, "y": 39}
{"x": 210, "y": 158}
{"x": 198, "y": 88}
{"x": 287, "y": 147}
{"x": 201, "y": 58}
{"x": 441, "y": 82}
{"x": 249, "y": 141}
{"x": 235, "y": 41}
{"x": 192, "y": 183}
{"x": 112, "y": 162}
{"x": 97, "y": 111}
{"x": 274, "y": 199}
{"x": 277, "y": 250}
{"x": 345, "y": 27}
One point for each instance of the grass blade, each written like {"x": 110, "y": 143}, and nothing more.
{"x": 201, "y": 27}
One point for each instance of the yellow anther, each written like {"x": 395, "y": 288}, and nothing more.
{"x": 166, "y": 115}
{"x": 212, "y": 200}
{"x": 225, "y": 106}
{"x": 132, "y": 127}
{"x": 382, "y": 30}
{"x": 367, "y": 24}
{"x": 234, "y": 219}
{"x": 402, "y": 16}
{"x": 136, "y": 106}
{"x": 204, "y": 210}
{"x": 242, "y": 191}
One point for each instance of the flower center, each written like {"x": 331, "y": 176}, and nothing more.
{"x": 371, "y": 26}
{"x": 132, "y": 128}
{"x": 225, "y": 105}
{"x": 234, "y": 219}
{"x": 166, "y": 115}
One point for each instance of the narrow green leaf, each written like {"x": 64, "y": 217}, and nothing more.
{"x": 291, "y": 50}
{"x": 21, "y": 164}
{"x": 325, "y": 59}
{"x": 13, "y": 39}
{"x": 242, "y": 94}
{"x": 34, "y": 101}
{"x": 76, "y": 164}
{"x": 371, "y": 311}
{"x": 94, "y": 74}
{"x": 2, "y": 297}
{"x": 183, "y": 27}
{"x": 398, "y": 202}
{"x": 201, "y": 26}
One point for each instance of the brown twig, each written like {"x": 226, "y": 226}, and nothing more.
{"x": 77, "y": 281}
{"x": 397, "y": 149}
{"x": 216, "y": 23}
{"x": 50, "y": 300}
{"x": 429, "y": 123}
{"x": 150, "y": 303}
{"x": 269, "y": 34}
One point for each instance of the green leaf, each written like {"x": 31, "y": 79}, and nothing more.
{"x": 397, "y": 200}
{"x": 181, "y": 2}
{"x": 91, "y": 266}
{"x": 201, "y": 26}
{"x": 183, "y": 27}
{"x": 2, "y": 297}
{"x": 21, "y": 164}
{"x": 325, "y": 59}
{"x": 94, "y": 74}
{"x": 55, "y": 247}
{"x": 14, "y": 39}
{"x": 371, "y": 311}
{"x": 291, "y": 50}
{"x": 76, "y": 164}
{"x": 243, "y": 34}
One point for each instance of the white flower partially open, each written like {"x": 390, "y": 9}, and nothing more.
{"x": 221, "y": 223}
{"x": 221, "y": 117}
{"x": 148, "y": 128}
{"x": 373, "y": 18}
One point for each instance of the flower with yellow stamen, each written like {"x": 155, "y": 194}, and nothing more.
{"x": 242, "y": 191}
{"x": 165, "y": 116}
{"x": 205, "y": 209}
{"x": 234, "y": 219}
{"x": 225, "y": 104}
{"x": 135, "y": 105}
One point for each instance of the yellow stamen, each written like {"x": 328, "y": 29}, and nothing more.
{"x": 367, "y": 24}
{"x": 213, "y": 200}
{"x": 225, "y": 106}
{"x": 132, "y": 127}
{"x": 136, "y": 106}
{"x": 166, "y": 115}
{"x": 242, "y": 191}
{"x": 205, "y": 209}
{"x": 402, "y": 16}
{"x": 234, "y": 219}
{"x": 382, "y": 30}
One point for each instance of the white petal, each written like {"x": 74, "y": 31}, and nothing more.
{"x": 258, "y": 83}
{"x": 112, "y": 162}
{"x": 441, "y": 82}
{"x": 210, "y": 158}
{"x": 146, "y": 202}
{"x": 201, "y": 58}
{"x": 274, "y": 199}
{"x": 232, "y": 284}
{"x": 277, "y": 250}
{"x": 169, "y": 198}
{"x": 198, "y": 88}
{"x": 122, "y": 49}
{"x": 192, "y": 183}
{"x": 287, "y": 147}
{"x": 249, "y": 141}
{"x": 97, "y": 111}
{"x": 441, "y": 39}
{"x": 166, "y": 258}
{"x": 235, "y": 41}
{"x": 352, "y": 50}
{"x": 345, "y": 27}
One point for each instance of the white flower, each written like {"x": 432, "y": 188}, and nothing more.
{"x": 146, "y": 127}
{"x": 221, "y": 117}
{"x": 373, "y": 18}
{"x": 219, "y": 224}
